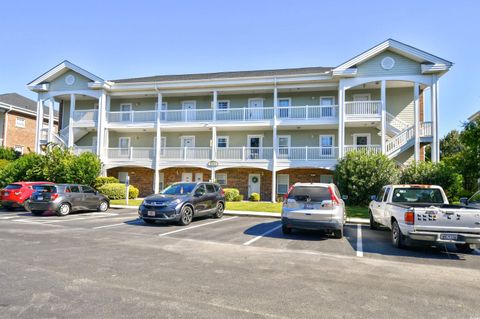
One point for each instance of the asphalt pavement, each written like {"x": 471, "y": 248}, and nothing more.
{"x": 112, "y": 265}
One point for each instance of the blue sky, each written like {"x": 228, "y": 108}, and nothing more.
{"x": 117, "y": 39}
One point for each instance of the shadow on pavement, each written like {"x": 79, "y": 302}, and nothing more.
{"x": 297, "y": 234}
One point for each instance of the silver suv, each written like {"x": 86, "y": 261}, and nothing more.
{"x": 315, "y": 206}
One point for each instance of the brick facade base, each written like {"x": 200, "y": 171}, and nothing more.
{"x": 140, "y": 177}
{"x": 238, "y": 178}
{"x": 305, "y": 175}
{"x": 174, "y": 174}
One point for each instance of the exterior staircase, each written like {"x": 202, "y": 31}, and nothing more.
{"x": 406, "y": 139}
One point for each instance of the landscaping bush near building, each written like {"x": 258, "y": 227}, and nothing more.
{"x": 360, "y": 175}
{"x": 8, "y": 153}
{"x": 238, "y": 198}
{"x": 102, "y": 180}
{"x": 441, "y": 173}
{"x": 118, "y": 190}
{"x": 231, "y": 194}
{"x": 254, "y": 197}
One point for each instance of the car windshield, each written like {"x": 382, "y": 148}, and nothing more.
{"x": 13, "y": 186}
{"x": 314, "y": 194}
{"x": 417, "y": 195}
{"x": 179, "y": 189}
{"x": 475, "y": 198}
{"x": 44, "y": 188}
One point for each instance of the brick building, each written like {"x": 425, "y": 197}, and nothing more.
{"x": 18, "y": 120}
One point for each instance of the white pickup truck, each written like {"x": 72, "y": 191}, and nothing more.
{"x": 423, "y": 213}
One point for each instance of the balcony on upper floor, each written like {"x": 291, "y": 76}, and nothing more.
{"x": 363, "y": 111}
{"x": 85, "y": 118}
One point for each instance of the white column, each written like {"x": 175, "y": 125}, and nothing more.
{"x": 341, "y": 119}
{"x": 383, "y": 97}
{"x": 158, "y": 145}
{"x": 39, "y": 125}
{"x": 215, "y": 104}
{"x": 50, "y": 120}
{"x": 416, "y": 107}
{"x": 214, "y": 150}
{"x": 102, "y": 101}
{"x": 71, "y": 139}
{"x": 434, "y": 115}
{"x": 437, "y": 119}
{"x": 275, "y": 144}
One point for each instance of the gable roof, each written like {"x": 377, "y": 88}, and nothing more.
{"x": 397, "y": 47}
{"x": 21, "y": 103}
{"x": 60, "y": 69}
{"x": 225, "y": 75}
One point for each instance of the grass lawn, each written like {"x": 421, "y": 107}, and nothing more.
{"x": 131, "y": 202}
{"x": 352, "y": 211}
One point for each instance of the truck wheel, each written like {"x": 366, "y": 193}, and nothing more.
{"x": 338, "y": 233}
{"x": 464, "y": 248}
{"x": 373, "y": 223}
{"x": 398, "y": 240}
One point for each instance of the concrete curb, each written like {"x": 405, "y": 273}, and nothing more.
{"x": 262, "y": 214}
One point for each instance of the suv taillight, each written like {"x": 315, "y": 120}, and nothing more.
{"x": 333, "y": 198}
{"x": 54, "y": 196}
{"x": 222, "y": 192}
{"x": 409, "y": 218}
{"x": 285, "y": 197}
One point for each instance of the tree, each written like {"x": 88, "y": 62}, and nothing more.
{"x": 451, "y": 144}
{"x": 360, "y": 175}
{"x": 470, "y": 139}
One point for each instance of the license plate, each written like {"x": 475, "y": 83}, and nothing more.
{"x": 308, "y": 206}
{"x": 40, "y": 197}
{"x": 151, "y": 213}
{"x": 448, "y": 236}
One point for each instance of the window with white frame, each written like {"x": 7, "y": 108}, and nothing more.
{"x": 326, "y": 145}
{"x": 326, "y": 178}
{"x": 327, "y": 102}
{"x": 284, "y": 104}
{"x": 18, "y": 148}
{"x": 283, "y": 146}
{"x": 20, "y": 122}
{"x": 222, "y": 141}
{"x": 122, "y": 176}
{"x": 223, "y": 105}
{"x": 361, "y": 139}
{"x": 282, "y": 183}
{"x": 221, "y": 178}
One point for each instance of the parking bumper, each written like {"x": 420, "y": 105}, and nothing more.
{"x": 312, "y": 224}
{"x": 435, "y": 237}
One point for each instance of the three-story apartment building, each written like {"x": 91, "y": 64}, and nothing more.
{"x": 262, "y": 130}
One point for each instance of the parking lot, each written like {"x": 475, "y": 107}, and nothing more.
{"x": 113, "y": 265}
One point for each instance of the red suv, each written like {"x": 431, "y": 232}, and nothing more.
{"x": 18, "y": 194}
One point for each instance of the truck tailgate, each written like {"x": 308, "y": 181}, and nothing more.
{"x": 462, "y": 220}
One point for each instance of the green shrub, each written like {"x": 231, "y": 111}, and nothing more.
{"x": 360, "y": 175}
{"x": 102, "y": 180}
{"x": 441, "y": 173}
{"x": 3, "y": 163}
{"x": 238, "y": 198}
{"x": 254, "y": 197}
{"x": 26, "y": 168}
{"x": 8, "y": 153}
{"x": 118, "y": 190}
{"x": 231, "y": 194}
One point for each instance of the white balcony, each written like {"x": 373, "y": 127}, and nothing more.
{"x": 130, "y": 117}
{"x": 307, "y": 153}
{"x": 131, "y": 154}
{"x": 360, "y": 110}
{"x": 425, "y": 129}
{"x": 308, "y": 112}
{"x": 85, "y": 117}
{"x": 244, "y": 153}
{"x": 77, "y": 150}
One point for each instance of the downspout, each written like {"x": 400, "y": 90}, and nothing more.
{"x": 4, "y": 143}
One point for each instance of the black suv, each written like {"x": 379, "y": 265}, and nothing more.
{"x": 180, "y": 202}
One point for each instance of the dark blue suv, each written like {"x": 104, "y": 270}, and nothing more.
{"x": 181, "y": 202}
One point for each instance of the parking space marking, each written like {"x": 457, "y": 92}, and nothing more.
{"x": 251, "y": 241}
{"x": 359, "y": 241}
{"x": 88, "y": 217}
{"x": 196, "y": 226}
{"x": 114, "y": 225}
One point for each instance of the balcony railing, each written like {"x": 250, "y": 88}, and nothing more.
{"x": 132, "y": 117}
{"x": 307, "y": 153}
{"x": 363, "y": 148}
{"x": 82, "y": 116}
{"x": 308, "y": 112}
{"x": 425, "y": 129}
{"x": 77, "y": 150}
{"x": 245, "y": 153}
{"x": 131, "y": 153}
{"x": 363, "y": 108}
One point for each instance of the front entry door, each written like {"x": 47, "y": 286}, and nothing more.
{"x": 188, "y": 141}
{"x": 254, "y": 147}
{"x": 187, "y": 177}
{"x": 255, "y": 109}
{"x": 253, "y": 184}
{"x": 189, "y": 110}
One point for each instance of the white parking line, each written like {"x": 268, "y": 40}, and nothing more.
{"x": 262, "y": 235}
{"x": 196, "y": 226}
{"x": 113, "y": 225}
{"x": 359, "y": 241}
{"x": 103, "y": 215}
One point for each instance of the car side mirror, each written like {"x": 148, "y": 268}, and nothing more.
{"x": 464, "y": 201}
{"x": 373, "y": 197}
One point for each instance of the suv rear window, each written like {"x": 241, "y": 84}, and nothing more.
{"x": 13, "y": 186}
{"x": 45, "y": 188}
{"x": 417, "y": 195}
{"x": 210, "y": 188}
{"x": 315, "y": 193}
